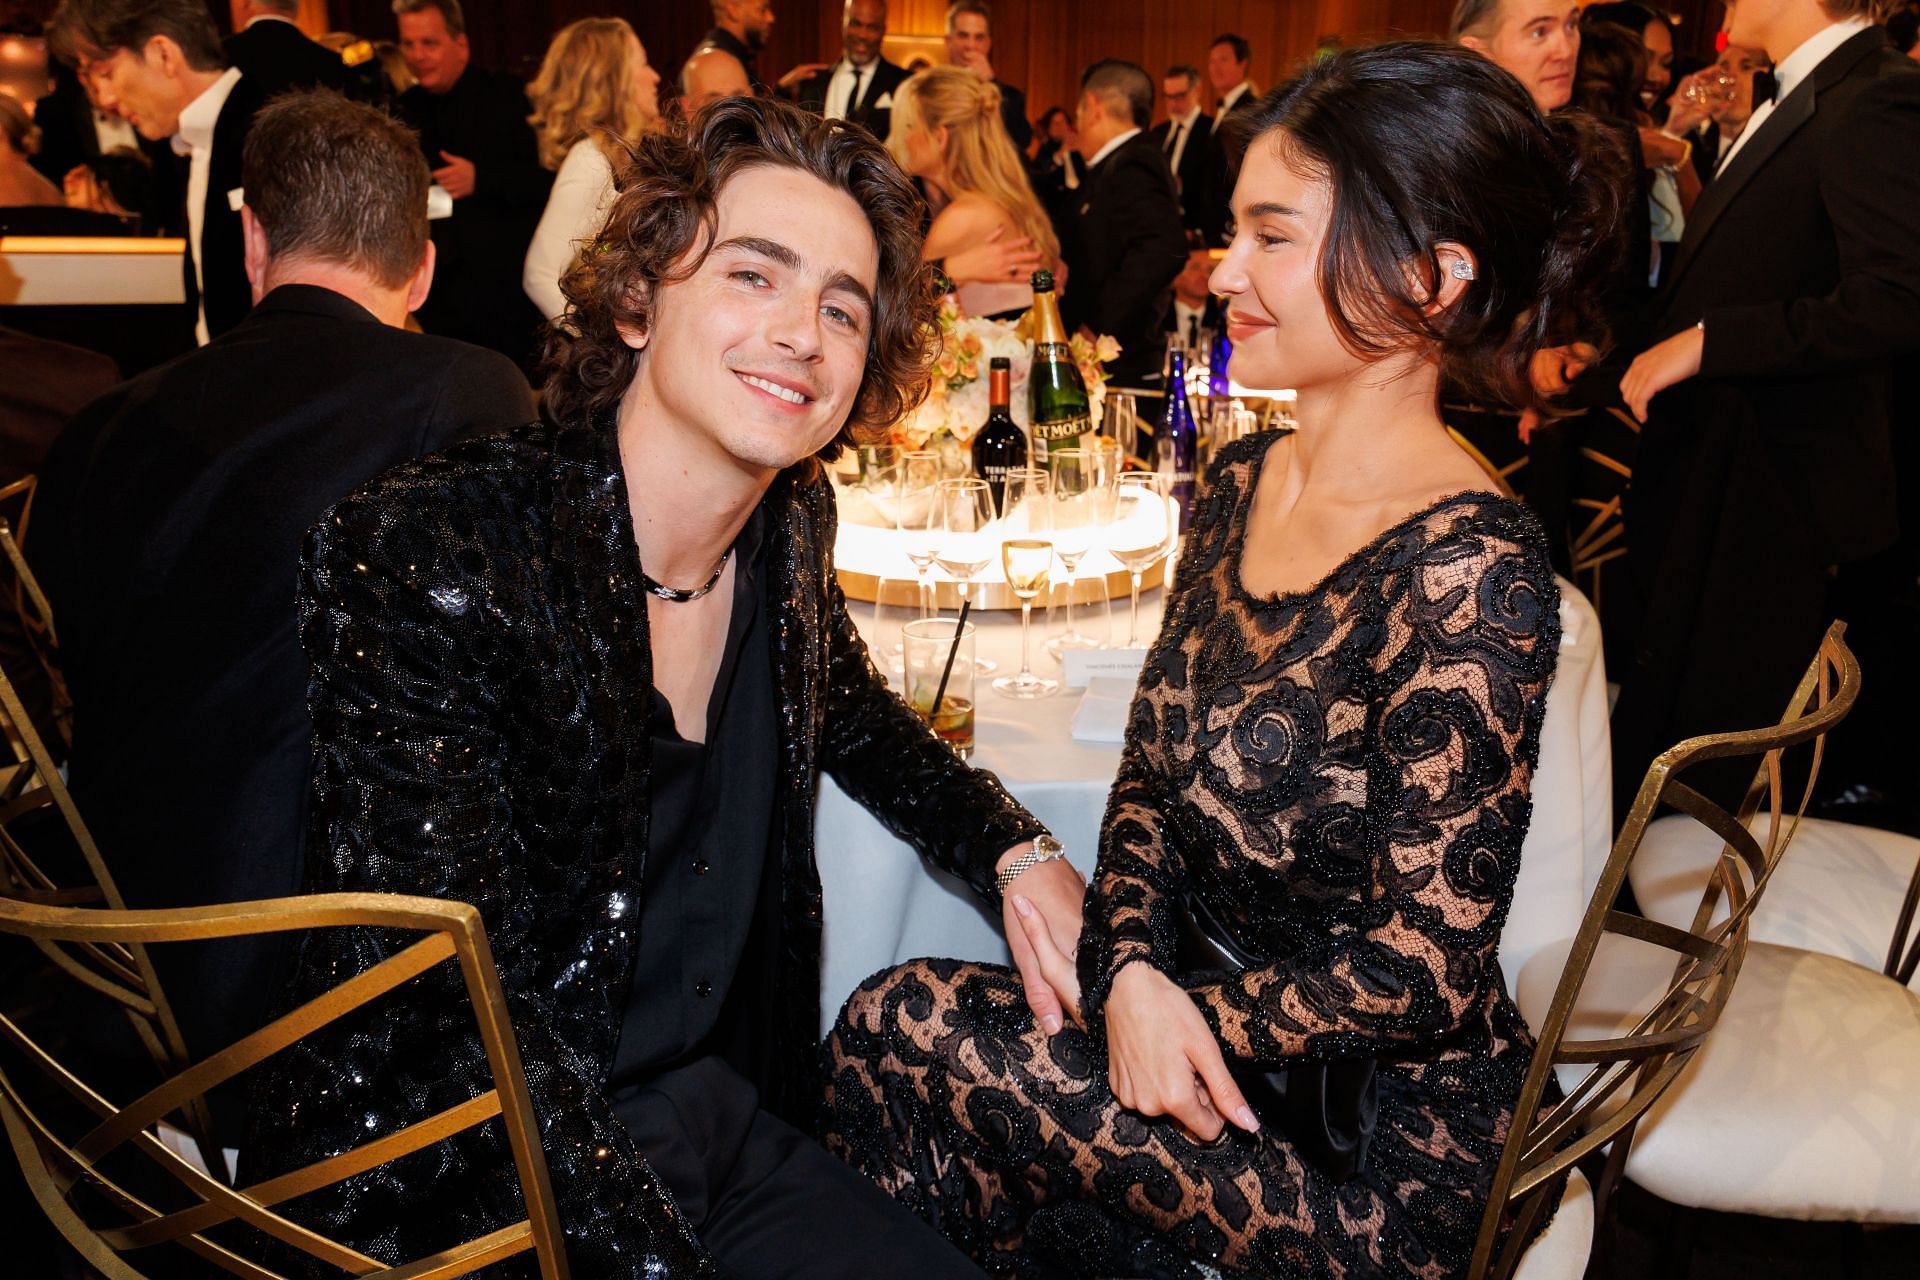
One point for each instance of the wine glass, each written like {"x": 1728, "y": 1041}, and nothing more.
{"x": 1027, "y": 562}
{"x": 919, "y": 516}
{"x": 1142, "y": 534}
{"x": 1120, "y": 422}
{"x": 963, "y": 547}
{"x": 1076, "y": 503}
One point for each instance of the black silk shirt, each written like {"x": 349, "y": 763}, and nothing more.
{"x": 710, "y": 817}
{"x": 477, "y": 636}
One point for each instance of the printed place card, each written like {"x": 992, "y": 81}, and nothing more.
{"x": 1081, "y": 665}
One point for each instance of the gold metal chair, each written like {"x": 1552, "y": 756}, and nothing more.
{"x": 1627, "y": 1071}
{"x": 30, "y": 606}
{"x": 118, "y": 1194}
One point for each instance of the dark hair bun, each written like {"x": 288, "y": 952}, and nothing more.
{"x": 1425, "y": 143}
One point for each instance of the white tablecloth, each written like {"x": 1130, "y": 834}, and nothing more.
{"x": 883, "y": 905}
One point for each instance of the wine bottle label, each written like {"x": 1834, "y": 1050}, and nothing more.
{"x": 1064, "y": 429}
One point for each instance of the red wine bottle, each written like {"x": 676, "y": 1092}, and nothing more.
{"x": 1001, "y": 446}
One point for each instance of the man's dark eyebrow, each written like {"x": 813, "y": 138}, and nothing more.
{"x": 777, "y": 252}
{"x": 1267, "y": 208}
{"x": 765, "y": 248}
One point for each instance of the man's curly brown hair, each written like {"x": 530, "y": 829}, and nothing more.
{"x": 664, "y": 220}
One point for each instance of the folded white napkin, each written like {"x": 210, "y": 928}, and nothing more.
{"x": 1102, "y": 716}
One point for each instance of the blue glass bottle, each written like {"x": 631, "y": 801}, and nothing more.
{"x": 1178, "y": 443}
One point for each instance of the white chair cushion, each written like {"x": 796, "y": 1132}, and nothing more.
{"x": 1571, "y": 831}
{"x": 1837, "y": 890}
{"x": 1800, "y": 1106}
{"x": 1561, "y": 1251}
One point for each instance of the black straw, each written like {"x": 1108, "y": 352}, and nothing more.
{"x": 959, "y": 628}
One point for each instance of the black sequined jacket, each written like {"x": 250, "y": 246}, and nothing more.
{"x": 480, "y": 677}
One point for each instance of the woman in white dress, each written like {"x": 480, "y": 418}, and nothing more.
{"x": 594, "y": 88}
{"x": 947, "y": 132}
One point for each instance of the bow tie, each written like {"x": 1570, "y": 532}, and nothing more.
{"x": 1765, "y": 87}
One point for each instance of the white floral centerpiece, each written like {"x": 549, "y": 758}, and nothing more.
{"x": 956, "y": 404}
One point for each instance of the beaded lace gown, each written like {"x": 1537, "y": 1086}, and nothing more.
{"x": 1342, "y": 774}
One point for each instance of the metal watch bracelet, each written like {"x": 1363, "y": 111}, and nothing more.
{"x": 1045, "y": 849}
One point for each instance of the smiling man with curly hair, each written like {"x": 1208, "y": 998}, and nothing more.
{"x": 586, "y": 676}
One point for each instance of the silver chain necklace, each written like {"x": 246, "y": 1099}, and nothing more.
{"x": 675, "y": 595}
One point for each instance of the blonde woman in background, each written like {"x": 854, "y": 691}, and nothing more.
{"x": 21, "y": 184}
{"x": 594, "y": 88}
{"x": 947, "y": 132}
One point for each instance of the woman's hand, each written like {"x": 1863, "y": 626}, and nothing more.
{"x": 1163, "y": 1059}
{"x": 998, "y": 258}
{"x": 1053, "y": 893}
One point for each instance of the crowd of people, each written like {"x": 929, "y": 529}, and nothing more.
{"x": 483, "y": 530}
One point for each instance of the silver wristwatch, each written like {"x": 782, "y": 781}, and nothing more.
{"x": 1045, "y": 849}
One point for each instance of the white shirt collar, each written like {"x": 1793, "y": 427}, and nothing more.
{"x": 1113, "y": 144}
{"x": 199, "y": 117}
{"x": 1813, "y": 51}
{"x": 1232, "y": 95}
{"x": 1188, "y": 120}
{"x": 269, "y": 17}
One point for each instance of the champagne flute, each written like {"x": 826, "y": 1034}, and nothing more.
{"x": 919, "y": 516}
{"x": 1142, "y": 534}
{"x": 1076, "y": 492}
{"x": 1026, "y": 561}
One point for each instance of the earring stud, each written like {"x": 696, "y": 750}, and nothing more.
{"x": 1462, "y": 269}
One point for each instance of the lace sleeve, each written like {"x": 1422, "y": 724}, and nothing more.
{"x": 1138, "y": 878}
{"x": 1472, "y": 632}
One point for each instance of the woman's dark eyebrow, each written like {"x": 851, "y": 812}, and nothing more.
{"x": 1267, "y": 208}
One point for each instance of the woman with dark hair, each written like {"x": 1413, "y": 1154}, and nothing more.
{"x": 1328, "y": 759}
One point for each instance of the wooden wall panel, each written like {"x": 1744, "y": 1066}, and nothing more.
{"x": 1040, "y": 45}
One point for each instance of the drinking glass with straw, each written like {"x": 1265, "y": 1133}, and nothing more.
{"x": 1142, "y": 533}
{"x": 1027, "y": 558}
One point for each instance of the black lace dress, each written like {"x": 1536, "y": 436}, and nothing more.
{"x": 1343, "y": 774}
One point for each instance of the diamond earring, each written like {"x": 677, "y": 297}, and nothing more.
{"x": 1462, "y": 269}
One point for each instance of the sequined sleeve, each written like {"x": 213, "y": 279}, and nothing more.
{"x": 408, "y": 666}
{"x": 885, "y": 758}
{"x": 1471, "y": 634}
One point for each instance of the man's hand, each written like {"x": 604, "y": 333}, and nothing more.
{"x": 1660, "y": 366}
{"x": 1163, "y": 1059}
{"x": 1553, "y": 369}
{"x": 999, "y": 258}
{"x": 456, "y": 175}
{"x": 1052, "y": 893}
{"x": 981, "y": 67}
{"x": 801, "y": 72}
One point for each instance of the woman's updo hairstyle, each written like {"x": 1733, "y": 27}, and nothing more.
{"x": 1423, "y": 143}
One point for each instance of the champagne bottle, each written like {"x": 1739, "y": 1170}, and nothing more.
{"x": 1178, "y": 443}
{"x": 1059, "y": 397}
{"x": 1000, "y": 446}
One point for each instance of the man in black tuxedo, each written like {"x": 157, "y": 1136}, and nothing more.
{"x": 859, "y": 87}
{"x": 970, "y": 45}
{"x": 1120, "y": 230}
{"x": 159, "y": 66}
{"x": 171, "y": 513}
{"x": 277, "y": 55}
{"x": 1766, "y": 459}
{"x": 1228, "y": 62}
{"x": 1184, "y": 137}
{"x": 473, "y": 128}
